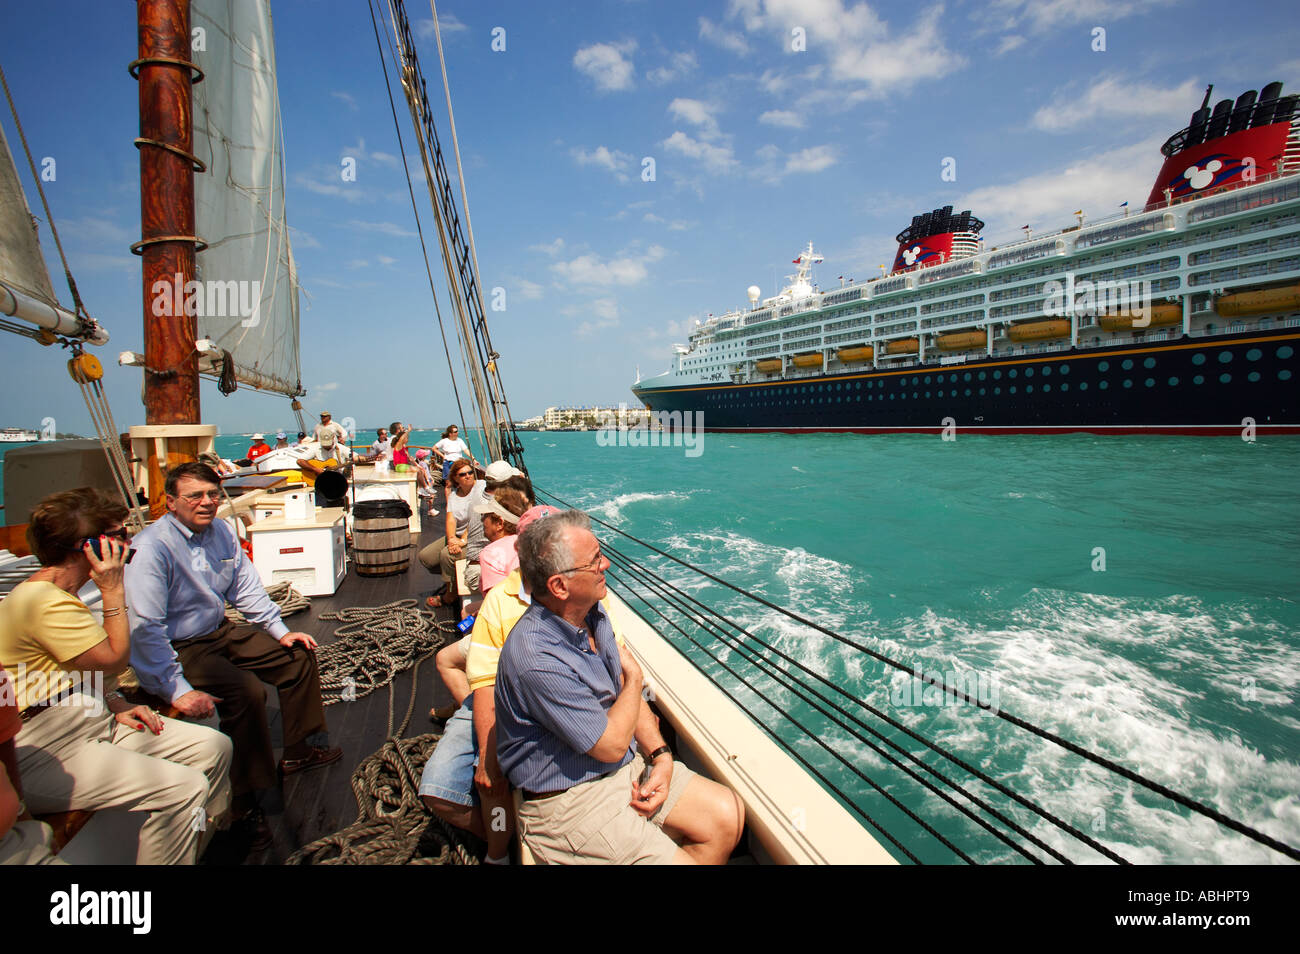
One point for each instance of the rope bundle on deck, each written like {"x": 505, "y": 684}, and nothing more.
{"x": 282, "y": 595}
{"x": 373, "y": 645}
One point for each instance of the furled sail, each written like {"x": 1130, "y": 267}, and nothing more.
{"x": 25, "y": 290}
{"x": 248, "y": 282}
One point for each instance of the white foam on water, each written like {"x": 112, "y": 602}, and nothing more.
{"x": 613, "y": 509}
{"x": 1059, "y": 663}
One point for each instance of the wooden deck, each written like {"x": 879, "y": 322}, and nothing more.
{"x": 317, "y": 803}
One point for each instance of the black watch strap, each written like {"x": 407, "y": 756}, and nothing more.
{"x": 657, "y": 752}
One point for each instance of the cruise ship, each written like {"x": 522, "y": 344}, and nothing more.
{"x": 18, "y": 435}
{"x": 1181, "y": 318}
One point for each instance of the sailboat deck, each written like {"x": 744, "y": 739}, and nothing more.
{"x": 320, "y": 802}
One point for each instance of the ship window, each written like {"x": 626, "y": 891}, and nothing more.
{"x": 1254, "y": 354}
{"x": 997, "y": 375}
{"x": 952, "y": 393}
{"x": 914, "y": 395}
{"x": 966, "y": 377}
{"x": 1103, "y": 384}
{"x": 1225, "y": 357}
{"x": 1064, "y": 369}
{"x": 891, "y": 397}
{"x": 1047, "y": 387}
{"x": 1012, "y": 389}
{"x": 1198, "y": 359}
{"x": 1083, "y": 385}
{"x": 1128, "y": 383}
{"x": 1253, "y": 376}
{"x": 927, "y": 393}
{"x": 1128, "y": 364}
{"x": 1225, "y": 378}
{"x": 1029, "y": 372}
{"x": 1173, "y": 382}
{"x": 981, "y": 376}
{"x": 1284, "y": 375}
{"x": 1105, "y": 365}
{"x": 1065, "y": 385}
{"x": 968, "y": 392}
{"x": 1149, "y": 363}
{"x": 927, "y": 379}
{"x": 1047, "y": 370}
{"x": 1285, "y": 352}
{"x": 1012, "y": 373}
{"x": 915, "y": 381}
{"x": 1199, "y": 379}
{"x": 1029, "y": 389}
{"x": 982, "y": 392}
{"x": 1150, "y": 382}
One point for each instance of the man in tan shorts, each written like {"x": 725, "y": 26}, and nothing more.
{"x": 570, "y": 718}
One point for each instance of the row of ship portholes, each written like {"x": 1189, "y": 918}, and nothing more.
{"x": 1224, "y": 357}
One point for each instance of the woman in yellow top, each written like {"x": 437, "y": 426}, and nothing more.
{"x": 73, "y": 754}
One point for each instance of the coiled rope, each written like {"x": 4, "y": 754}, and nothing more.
{"x": 393, "y": 827}
{"x": 751, "y": 655}
{"x": 282, "y": 595}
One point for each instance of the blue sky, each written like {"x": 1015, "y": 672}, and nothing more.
{"x": 758, "y": 148}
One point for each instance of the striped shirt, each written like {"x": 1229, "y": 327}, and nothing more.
{"x": 553, "y": 695}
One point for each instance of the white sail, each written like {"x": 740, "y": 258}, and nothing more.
{"x": 248, "y": 282}
{"x": 25, "y": 290}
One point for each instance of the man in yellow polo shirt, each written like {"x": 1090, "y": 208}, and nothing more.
{"x": 465, "y": 762}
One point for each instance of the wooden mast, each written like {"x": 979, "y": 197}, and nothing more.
{"x": 167, "y": 245}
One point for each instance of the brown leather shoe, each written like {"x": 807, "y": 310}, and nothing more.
{"x": 315, "y": 759}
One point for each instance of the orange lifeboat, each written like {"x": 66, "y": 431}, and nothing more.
{"x": 903, "y": 346}
{"x": 1246, "y": 304}
{"x": 856, "y": 353}
{"x": 768, "y": 365}
{"x": 1039, "y": 330}
{"x": 961, "y": 341}
{"x": 1161, "y": 316}
{"x": 808, "y": 360}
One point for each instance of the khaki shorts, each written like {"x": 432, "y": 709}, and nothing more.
{"x": 594, "y": 823}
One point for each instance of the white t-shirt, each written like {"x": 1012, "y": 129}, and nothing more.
{"x": 383, "y": 448}
{"x": 460, "y": 506}
{"x": 451, "y": 449}
{"x": 327, "y": 434}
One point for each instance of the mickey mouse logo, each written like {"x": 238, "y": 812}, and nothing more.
{"x": 909, "y": 255}
{"x": 1199, "y": 178}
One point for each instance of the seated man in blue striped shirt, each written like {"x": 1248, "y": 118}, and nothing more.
{"x": 570, "y": 716}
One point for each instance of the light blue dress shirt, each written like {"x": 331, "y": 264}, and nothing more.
{"x": 177, "y": 586}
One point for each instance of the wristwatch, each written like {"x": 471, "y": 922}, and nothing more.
{"x": 663, "y": 749}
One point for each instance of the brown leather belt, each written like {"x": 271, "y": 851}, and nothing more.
{"x": 538, "y": 796}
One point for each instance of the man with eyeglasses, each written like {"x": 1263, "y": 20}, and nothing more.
{"x": 187, "y": 566}
{"x": 575, "y": 735}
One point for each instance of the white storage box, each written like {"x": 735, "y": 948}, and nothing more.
{"x": 311, "y": 554}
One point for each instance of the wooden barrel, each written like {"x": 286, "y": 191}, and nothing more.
{"x": 381, "y": 537}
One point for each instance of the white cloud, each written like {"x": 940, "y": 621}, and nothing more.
{"x": 1009, "y": 42}
{"x": 714, "y": 158}
{"x": 386, "y": 260}
{"x": 607, "y": 64}
{"x": 652, "y": 218}
{"x": 697, "y": 113}
{"x": 347, "y": 99}
{"x": 94, "y": 229}
{"x": 776, "y": 164}
{"x": 1040, "y": 16}
{"x": 447, "y": 23}
{"x": 326, "y": 181}
{"x": 716, "y": 35}
{"x": 1096, "y": 183}
{"x": 679, "y": 65}
{"x": 782, "y": 117}
{"x": 528, "y": 291}
{"x": 549, "y": 248}
{"x": 1111, "y": 98}
{"x": 681, "y": 225}
{"x": 324, "y": 388}
{"x": 590, "y": 270}
{"x": 604, "y": 158}
{"x": 303, "y": 239}
{"x": 859, "y": 47}
{"x": 605, "y": 311}
{"x": 383, "y": 228}
{"x": 356, "y": 263}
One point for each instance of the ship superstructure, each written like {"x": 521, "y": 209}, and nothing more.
{"x": 1183, "y": 317}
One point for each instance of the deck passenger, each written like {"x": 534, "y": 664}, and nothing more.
{"x": 381, "y": 447}
{"x": 75, "y": 754}
{"x": 441, "y": 556}
{"x": 451, "y": 449}
{"x": 575, "y": 735}
{"x": 187, "y": 566}
{"x": 462, "y": 782}
{"x": 23, "y": 840}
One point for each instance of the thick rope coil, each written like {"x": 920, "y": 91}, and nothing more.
{"x": 373, "y": 645}
{"x": 282, "y": 595}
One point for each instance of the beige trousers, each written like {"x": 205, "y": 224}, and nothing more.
{"x": 28, "y": 843}
{"x": 76, "y": 756}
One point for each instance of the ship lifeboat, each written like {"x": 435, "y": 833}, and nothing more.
{"x": 1161, "y": 316}
{"x": 903, "y": 346}
{"x": 1245, "y": 304}
{"x": 1039, "y": 330}
{"x": 808, "y": 360}
{"x": 858, "y": 353}
{"x": 961, "y": 341}
{"x": 768, "y": 365}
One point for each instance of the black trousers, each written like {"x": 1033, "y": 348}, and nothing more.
{"x": 231, "y": 664}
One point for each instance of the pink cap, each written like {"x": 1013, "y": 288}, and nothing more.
{"x": 421, "y": 454}
{"x": 535, "y": 513}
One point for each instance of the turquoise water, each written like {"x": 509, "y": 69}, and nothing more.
{"x": 983, "y": 557}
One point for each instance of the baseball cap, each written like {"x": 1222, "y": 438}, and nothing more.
{"x": 280, "y": 435}
{"x": 490, "y": 505}
{"x": 536, "y": 513}
{"x": 499, "y": 471}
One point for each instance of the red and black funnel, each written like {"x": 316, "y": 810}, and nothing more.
{"x": 929, "y": 239}
{"x": 1236, "y": 143}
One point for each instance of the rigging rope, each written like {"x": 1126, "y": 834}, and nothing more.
{"x": 1176, "y": 797}
{"x": 419, "y": 228}
{"x": 86, "y": 371}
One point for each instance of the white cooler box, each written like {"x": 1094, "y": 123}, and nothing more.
{"x": 311, "y": 554}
